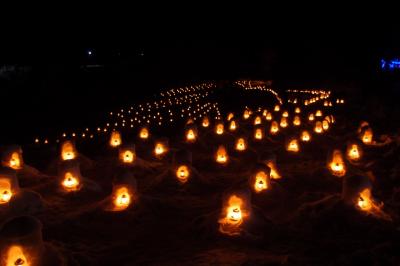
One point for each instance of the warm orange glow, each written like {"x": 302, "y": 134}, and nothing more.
{"x": 367, "y": 136}
{"x": 318, "y": 127}
{"x": 246, "y": 114}
{"x": 336, "y": 165}
{"x": 232, "y": 125}
{"x": 257, "y": 120}
{"x": 297, "y": 121}
{"x": 241, "y": 144}
{"x": 283, "y": 122}
{"x": 325, "y": 125}
{"x": 230, "y": 116}
{"x": 305, "y": 136}
{"x": 221, "y": 155}
{"x": 265, "y": 112}
{"x": 191, "y": 135}
{"x": 233, "y": 216}
{"x": 5, "y": 191}
{"x": 159, "y": 148}
{"x": 15, "y": 161}
{"x": 277, "y": 108}
{"x": 274, "y": 174}
{"x": 293, "y": 146}
{"x": 269, "y": 117}
{"x": 318, "y": 113}
{"x": 206, "y": 122}
{"x": 127, "y": 156}
{"x": 258, "y": 134}
{"x": 353, "y": 152}
{"x": 297, "y": 110}
{"x": 328, "y": 118}
{"x": 70, "y": 182}
{"x": 365, "y": 202}
{"x": 285, "y": 114}
{"x": 311, "y": 117}
{"x": 274, "y": 128}
{"x": 122, "y": 198}
{"x": 68, "y": 151}
{"x": 115, "y": 139}
{"x": 260, "y": 182}
{"x": 219, "y": 129}
{"x": 16, "y": 257}
{"x": 144, "y": 133}
{"x": 183, "y": 173}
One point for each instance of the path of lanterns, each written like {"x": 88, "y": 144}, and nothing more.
{"x": 248, "y": 161}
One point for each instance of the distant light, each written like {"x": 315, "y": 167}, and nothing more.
{"x": 89, "y": 52}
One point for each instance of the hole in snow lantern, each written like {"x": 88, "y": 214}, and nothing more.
{"x": 241, "y": 144}
{"x": 182, "y": 173}
{"x": 12, "y": 157}
{"x": 115, "y": 139}
{"x": 274, "y": 174}
{"x": 206, "y": 122}
{"x": 269, "y": 117}
{"x": 258, "y": 133}
{"x": 336, "y": 164}
{"x": 277, "y": 108}
{"x": 257, "y": 120}
{"x": 191, "y": 134}
{"x": 325, "y": 125}
{"x": 311, "y": 117}
{"x": 274, "y": 128}
{"x": 161, "y": 147}
{"x": 8, "y": 185}
{"x": 5, "y": 191}
{"x": 21, "y": 242}
{"x": 144, "y": 133}
{"x": 353, "y": 152}
{"x": 219, "y": 128}
{"x": 297, "y": 110}
{"x": 221, "y": 156}
{"x": 367, "y": 135}
{"x": 283, "y": 122}
{"x": 246, "y": 114}
{"x": 16, "y": 257}
{"x": 305, "y": 136}
{"x": 182, "y": 161}
{"x": 356, "y": 191}
{"x": 260, "y": 180}
{"x": 124, "y": 191}
{"x": 285, "y": 114}
{"x": 122, "y": 197}
{"x": 127, "y": 154}
{"x": 234, "y": 212}
{"x": 318, "y": 127}
{"x": 230, "y": 116}
{"x": 293, "y": 145}
{"x": 296, "y": 120}
{"x": 232, "y": 125}
{"x": 68, "y": 151}
{"x": 70, "y": 175}
{"x": 318, "y": 113}
{"x": 265, "y": 112}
